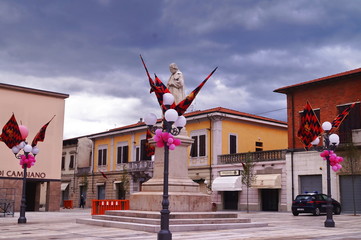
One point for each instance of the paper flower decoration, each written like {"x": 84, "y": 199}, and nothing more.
{"x": 162, "y": 138}
{"x": 334, "y": 159}
{"x": 29, "y": 160}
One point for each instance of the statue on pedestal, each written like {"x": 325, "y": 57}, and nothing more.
{"x": 176, "y": 83}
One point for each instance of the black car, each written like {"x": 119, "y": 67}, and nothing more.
{"x": 314, "y": 203}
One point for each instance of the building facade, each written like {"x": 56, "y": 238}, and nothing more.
{"x": 328, "y": 97}
{"x": 34, "y": 108}
{"x": 120, "y": 165}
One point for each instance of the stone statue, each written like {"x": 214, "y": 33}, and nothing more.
{"x": 176, "y": 83}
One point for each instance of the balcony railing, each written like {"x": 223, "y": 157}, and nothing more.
{"x": 273, "y": 155}
{"x": 139, "y": 166}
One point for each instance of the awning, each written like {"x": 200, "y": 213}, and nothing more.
{"x": 115, "y": 184}
{"x": 267, "y": 181}
{"x": 64, "y": 186}
{"x": 233, "y": 183}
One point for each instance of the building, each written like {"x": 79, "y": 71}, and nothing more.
{"x": 328, "y": 96}
{"x": 120, "y": 166}
{"x": 75, "y": 168}
{"x": 34, "y": 108}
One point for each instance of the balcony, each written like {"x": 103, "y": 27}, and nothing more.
{"x": 139, "y": 166}
{"x": 261, "y": 156}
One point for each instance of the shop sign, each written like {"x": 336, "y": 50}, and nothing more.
{"x": 20, "y": 174}
{"x": 229, "y": 173}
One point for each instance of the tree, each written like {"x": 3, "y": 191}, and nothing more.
{"x": 352, "y": 166}
{"x": 248, "y": 177}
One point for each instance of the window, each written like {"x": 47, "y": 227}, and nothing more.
{"x": 102, "y": 156}
{"x": 352, "y": 121}
{"x": 122, "y": 153}
{"x": 143, "y": 150}
{"x": 137, "y": 154}
{"x": 232, "y": 143}
{"x": 198, "y": 148}
{"x": 259, "y": 146}
{"x": 71, "y": 163}
{"x": 63, "y": 163}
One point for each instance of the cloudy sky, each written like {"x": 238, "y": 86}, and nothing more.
{"x": 90, "y": 50}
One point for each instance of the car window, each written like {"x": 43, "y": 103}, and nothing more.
{"x": 324, "y": 197}
{"x": 305, "y": 197}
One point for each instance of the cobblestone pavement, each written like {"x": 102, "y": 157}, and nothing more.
{"x": 282, "y": 225}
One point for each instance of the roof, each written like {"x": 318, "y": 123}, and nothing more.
{"x": 232, "y": 112}
{"x": 33, "y": 91}
{"x": 338, "y": 76}
{"x": 201, "y": 114}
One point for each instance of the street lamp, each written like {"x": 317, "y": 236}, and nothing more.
{"x": 330, "y": 143}
{"x": 26, "y": 161}
{"x": 170, "y": 117}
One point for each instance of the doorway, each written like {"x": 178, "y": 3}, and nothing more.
{"x": 270, "y": 199}
{"x": 32, "y": 195}
{"x": 230, "y": 200}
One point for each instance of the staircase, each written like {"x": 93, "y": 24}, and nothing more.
{"x": 179, "y": 221}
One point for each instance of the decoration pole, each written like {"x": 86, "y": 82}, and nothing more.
{"x": 164, "y": 233}
{"x": 22, "y": 218}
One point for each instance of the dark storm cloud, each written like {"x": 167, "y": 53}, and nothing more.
{"x": 90, "y": 49}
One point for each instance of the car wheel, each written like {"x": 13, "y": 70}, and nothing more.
{"x": 337, "y": 210}
{"x": 316, "y": 212}
{"x": 295, "y": 213}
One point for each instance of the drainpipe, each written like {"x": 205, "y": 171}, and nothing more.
{"x": 92, "y": 165}
{"x": 293, "y": 145}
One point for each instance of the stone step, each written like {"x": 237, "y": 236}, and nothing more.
{"x": 173, "y": 228}
{"x": 172, "y": 221}
{"x": 173, "y": 215}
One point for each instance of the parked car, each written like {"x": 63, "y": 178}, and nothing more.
{"x": 314, "y": 203}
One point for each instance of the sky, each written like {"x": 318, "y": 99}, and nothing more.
{"x": 90, "y": 50}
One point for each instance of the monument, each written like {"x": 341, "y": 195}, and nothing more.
{"x": 176, "y": 83}
{"x": 184, "y": 193}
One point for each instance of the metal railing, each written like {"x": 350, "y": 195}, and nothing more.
{"x": 139, "y": 166}
{"x": 273, "y": 155}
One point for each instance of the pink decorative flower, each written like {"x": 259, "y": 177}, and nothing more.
{"x": 162, "y": 138}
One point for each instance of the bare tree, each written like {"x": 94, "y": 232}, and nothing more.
{"x": 248, "y": 176}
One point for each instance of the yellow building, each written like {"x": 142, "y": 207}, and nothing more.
{"x": 33, "y": 108}
{"x": 120, "y": 166}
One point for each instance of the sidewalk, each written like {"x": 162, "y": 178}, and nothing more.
{"x": 282, "y": 225}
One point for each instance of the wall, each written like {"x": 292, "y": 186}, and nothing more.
{"x": 324, "y": 96}
{"x": 309, "y": 163}
{"x": 34, "y": 108}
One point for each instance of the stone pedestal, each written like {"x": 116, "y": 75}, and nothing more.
{"x": 184, "y": 194}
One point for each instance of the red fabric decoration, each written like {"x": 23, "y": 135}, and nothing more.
{"x": 310, "y": 127}
{"x": 183, "y": 105}
{"x": 149, "y": 149}
{"x": 11, "y": 135}
{"x": 40, "y": 136}
{"x": 339, "y": 119}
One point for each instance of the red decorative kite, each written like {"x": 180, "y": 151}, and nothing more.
{"x": 40, "y": 136}
{"x": 11, "y": 135}
{"x": 310, "y": 127}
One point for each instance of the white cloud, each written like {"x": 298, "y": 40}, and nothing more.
{"x": 90, "y": 113}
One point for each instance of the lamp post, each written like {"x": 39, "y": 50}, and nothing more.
{"x": 26, "y": 161}
{"x": 330, "y": 143}
{"x": 170, "y": 117}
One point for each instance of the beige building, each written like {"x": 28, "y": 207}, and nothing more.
{"x": 34, "y": 108}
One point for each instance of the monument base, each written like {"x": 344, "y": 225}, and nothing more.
{"x": 184, "y": 193}
{"x": 178, "y": 201}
